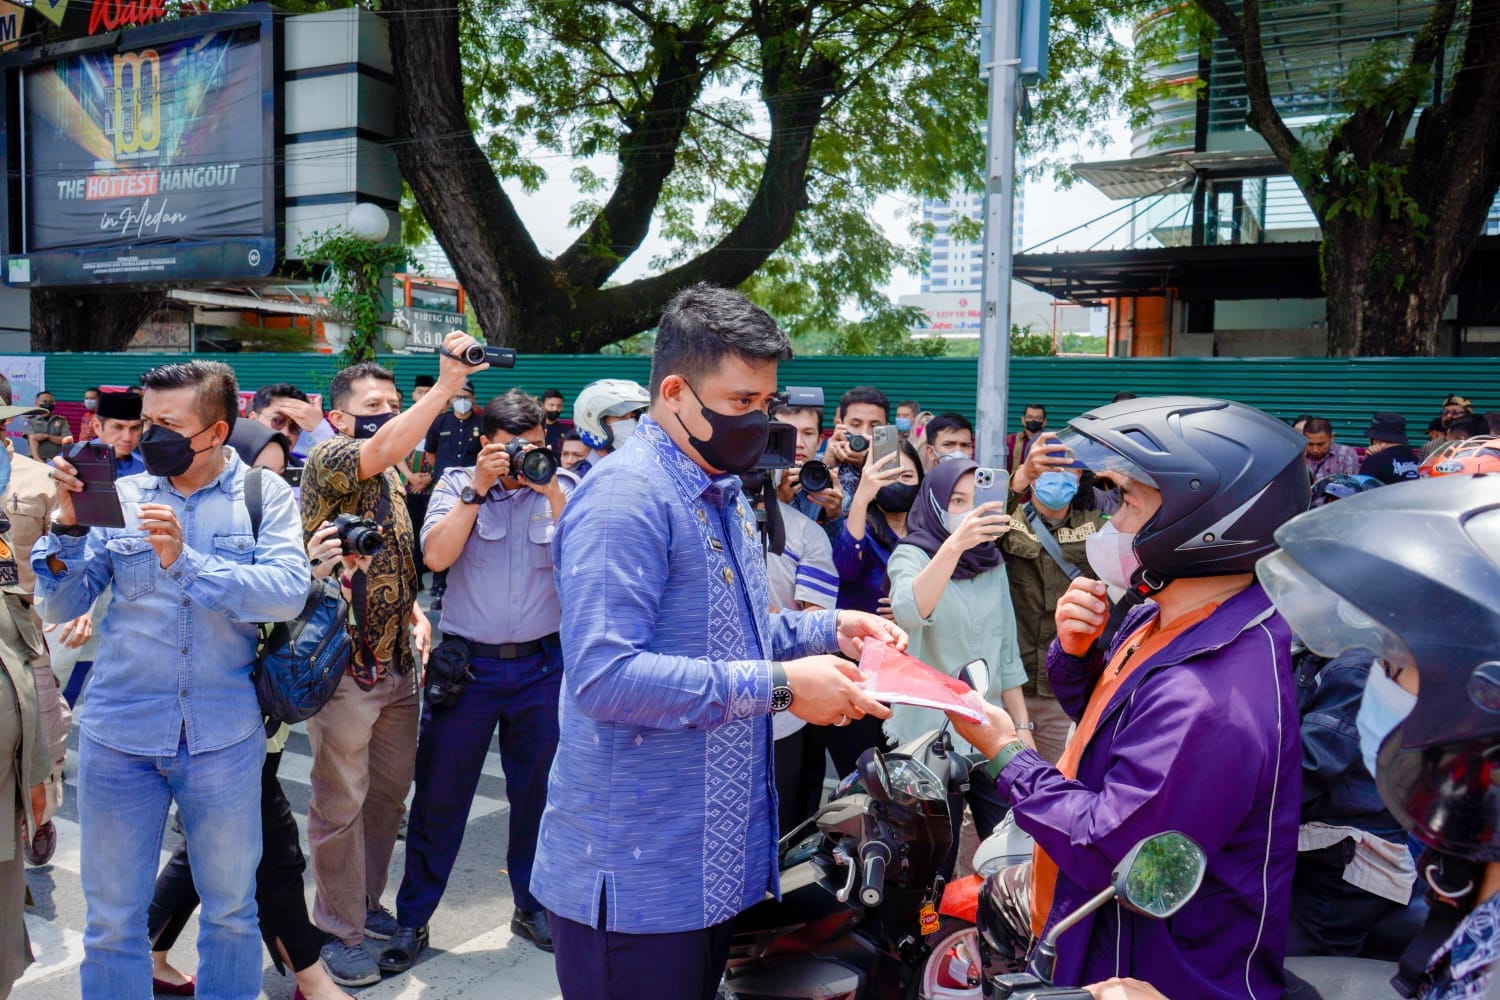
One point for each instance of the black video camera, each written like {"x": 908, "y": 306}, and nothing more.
{"x": 447, "y": 672}
{"x": 360, "y": 536}
{"x": 478, "y": 354}
{"x": 537, "y": 465}
{"x": 781, "y": 445}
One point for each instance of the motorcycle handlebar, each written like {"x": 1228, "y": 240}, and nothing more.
{"x": 875, "y": 855}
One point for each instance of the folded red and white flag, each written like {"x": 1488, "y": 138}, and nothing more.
{"x": 898, "y": 679}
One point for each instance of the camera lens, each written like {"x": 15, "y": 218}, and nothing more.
{"x": 539, "y": 466}
{"x": 359, "y": 536}
{"x": 814, "y": 476}
{"x": 858, "y": 442}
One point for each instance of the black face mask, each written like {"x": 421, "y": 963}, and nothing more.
{"x": 46, "y": 406}
{"x": 366, "y": 426}
{"x": 1033, "y": 425}
{"x": 167, "y": 453}
{"x": 737, "y": 443}
{"x": 553, "y": 418}
{"x": 896, "y": 498}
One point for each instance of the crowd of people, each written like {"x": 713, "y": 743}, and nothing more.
{"x": 668, "y": 690}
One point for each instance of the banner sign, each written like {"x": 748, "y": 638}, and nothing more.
{"x": 148, "y": 162}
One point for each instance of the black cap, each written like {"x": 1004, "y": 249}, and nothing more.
{"x": 119, "y": 406}
{"x": 424, "y": 382}
{"x": 1387, "y": 426}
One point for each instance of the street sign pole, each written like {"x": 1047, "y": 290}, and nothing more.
{"x": 999, "y": 221}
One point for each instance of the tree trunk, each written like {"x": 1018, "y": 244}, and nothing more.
{"x": 1385, "y": 296}
{"x": 71, "y": 319}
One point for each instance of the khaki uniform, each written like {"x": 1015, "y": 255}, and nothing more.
{"x": 1036, "y": 584}
{"x": 28, "y": 503}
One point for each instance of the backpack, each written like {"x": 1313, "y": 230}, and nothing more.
{"x": 300, "y": 662}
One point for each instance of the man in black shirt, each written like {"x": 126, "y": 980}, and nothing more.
{"x": 554, "y": 426}
{"x": 452, "y": 442}
{"x": 1390, "y": 458}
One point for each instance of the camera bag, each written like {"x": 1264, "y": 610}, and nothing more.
{"x": 299, "y": 662}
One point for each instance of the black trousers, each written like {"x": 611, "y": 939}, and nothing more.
{"x": 278, "y": 885}
{"x": 416, "y": 506}
{"x": 799, "y": 779}
{"x": 610, "y": 965}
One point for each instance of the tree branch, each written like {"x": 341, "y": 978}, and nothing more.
{"x": 448, "y": 172}
{"x": 1244, "y": 38}
{"x": 648, "y": 153}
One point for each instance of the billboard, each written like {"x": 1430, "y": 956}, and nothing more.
{"x": 148, "y": 161}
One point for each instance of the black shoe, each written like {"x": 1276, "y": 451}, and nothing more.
{"x": 404, "y": 949}
{"x": 534, "y": 927}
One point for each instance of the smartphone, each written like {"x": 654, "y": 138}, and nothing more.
{"x": 883, "y": 441}
{"x": 293, "y": 476}
{"x": 991, "y": 485}
{"x": 98, "y": 506}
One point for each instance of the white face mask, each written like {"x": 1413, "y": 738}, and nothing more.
{"x": 951, "y": 521}
{"x": 91, "y": 405}
{"x": 1111, "y": 553}
{"x": 623, "y": 430}
{"x": 1385, "y": 706}
{"x": 462, "y": 406}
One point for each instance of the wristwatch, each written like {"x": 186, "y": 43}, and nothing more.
{"x": 66, "y": 530}
{"x": 467, "y": 495}
{"x": 997, "y": 763}
{"x": 781, "y": 691}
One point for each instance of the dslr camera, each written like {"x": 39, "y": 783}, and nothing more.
{"x": 360, "y": 536}
{"x": 535, "y": 465}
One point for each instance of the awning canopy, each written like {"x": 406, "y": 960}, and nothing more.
{"x": 1244, "y": 271}
{"x": 1166, "y": 173}
{"x": 243, "y": 303}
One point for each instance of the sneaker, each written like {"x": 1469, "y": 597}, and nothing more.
{"x": 380, "y": 924}
{"x": 532, "y": 925}
{"x": 350, "y": 964}
{"x": 403, "y": 950}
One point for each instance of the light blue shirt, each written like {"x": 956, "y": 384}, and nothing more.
{"x": 177, "y": 645}
{"x": 661, "y": 796}
{"x": 500, "y": 587}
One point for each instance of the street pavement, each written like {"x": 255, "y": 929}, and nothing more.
{"x": 472, "y": 954}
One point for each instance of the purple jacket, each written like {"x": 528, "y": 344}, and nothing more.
{"x": 1203, "y": 739}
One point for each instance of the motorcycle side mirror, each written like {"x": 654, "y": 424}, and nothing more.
{"x": 1160, "y": 874}
{"x": 1156, "y": 878}
{"x": 976, "y": 674}
{"x": 875, "y": 776}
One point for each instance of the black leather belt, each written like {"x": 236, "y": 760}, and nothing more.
{"x": 512, "y": 650}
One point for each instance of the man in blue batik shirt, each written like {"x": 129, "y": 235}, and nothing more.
{"x": 660, "y": 823}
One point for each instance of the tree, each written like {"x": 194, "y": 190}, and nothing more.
{"x": 77, "y": 319}
{"x": 1399, "y": 215}
{"x": 755, "y": 135}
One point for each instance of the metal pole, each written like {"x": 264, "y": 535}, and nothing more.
{"x": 999, "y": 212}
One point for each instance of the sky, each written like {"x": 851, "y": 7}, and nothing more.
{"x": 1049, "y": 211}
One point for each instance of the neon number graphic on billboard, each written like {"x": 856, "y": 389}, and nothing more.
{"x": 146, "y": 146}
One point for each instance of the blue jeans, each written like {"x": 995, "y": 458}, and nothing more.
{"x": 122, "y": 811}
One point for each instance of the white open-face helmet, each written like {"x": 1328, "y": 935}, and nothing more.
{"x": 608, "y": 397}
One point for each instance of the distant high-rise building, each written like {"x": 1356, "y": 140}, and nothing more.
{"x": 958, "y": 265}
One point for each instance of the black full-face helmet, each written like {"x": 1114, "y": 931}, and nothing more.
{"x": 1411, "y": 572}
{"x": 1229, "y": 475}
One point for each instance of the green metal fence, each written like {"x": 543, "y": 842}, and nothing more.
{"x": 1346, "y": 391}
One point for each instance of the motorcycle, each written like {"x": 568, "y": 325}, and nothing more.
{"x": 861, "y": 883}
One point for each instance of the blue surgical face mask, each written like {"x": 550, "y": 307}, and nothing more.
{"x": 1385, "y": 706}
{"x": 1055, "y": 490}
{"x": 903, "y": 424}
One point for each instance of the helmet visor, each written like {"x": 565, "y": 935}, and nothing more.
{"x": 1090, "y": 454}
{"x": 1325, "y": 622}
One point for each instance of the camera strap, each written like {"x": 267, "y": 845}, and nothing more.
{"x": 253, "y": 489}
{"x": 1049, "y": 543}
{"x": 775, "y": 533}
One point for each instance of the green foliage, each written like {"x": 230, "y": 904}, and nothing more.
{"x": 271, "y": 340}
{"x": 1081, "y": 343}
{"x": 1024, "y": 343}
{"x": 566, "y": 85}
{"x": 356, "y": 268}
